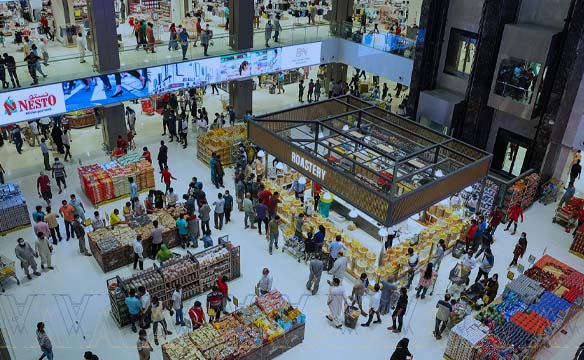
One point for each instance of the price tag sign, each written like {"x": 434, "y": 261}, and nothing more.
{"x": 235, "y": 301}
{"x": 520, "y": 268}
{"x": 531, "y": 259}
{"x": 510, "y": 275}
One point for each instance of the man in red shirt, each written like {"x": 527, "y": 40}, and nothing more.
{"x": 146, "y": 154}
{"x": 223, "y": 289}
{"x": 264, "y": 194}
{"x": 496, "y": 218}
{"x": 470, "y": 234}
{"x": 166, "y": 178}
{"x": 122, "y": 144}
{"x": 68, "y": 213}
{"x": 215, "y": 301}
{"x": 514, "y": 213}
{"x": 316, "y": 190}
{"x": 273, "y": 204}
{"x": 44, "y": 187}
{"x": 197, "y": 315}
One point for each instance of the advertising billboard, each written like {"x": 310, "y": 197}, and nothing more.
{"x": 128, "y": 85}
{"x": 183, "y": 75}
{"x": 33, "y": 103}
{"x": 297, "y": 56}
{"x": 105, "y": 89}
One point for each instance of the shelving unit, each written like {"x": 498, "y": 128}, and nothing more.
{"x": 119, "y": 309}
{"x": 80, "y": 11}
{"x": 489, "y": 195}
{"x": 196, "y": 273}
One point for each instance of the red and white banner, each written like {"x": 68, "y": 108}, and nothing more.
{"x": 30, "y": 104}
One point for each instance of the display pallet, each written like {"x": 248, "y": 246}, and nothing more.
{"x": 113, "y": 259}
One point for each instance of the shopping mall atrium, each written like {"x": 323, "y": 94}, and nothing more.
{"x": 259, "y": 179}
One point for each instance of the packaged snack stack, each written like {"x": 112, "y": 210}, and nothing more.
{"x": 547, "y": 280}
{"x": 530, "y": 322}
{"x": 493, "y": 348}
{"x": 13, "y": 210}
{"x": 527, "y": 289}
{"x": 514, "y": 334}
{"x": 463, "y": 339}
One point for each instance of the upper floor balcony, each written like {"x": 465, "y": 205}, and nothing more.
{"x": 65, "y": 62}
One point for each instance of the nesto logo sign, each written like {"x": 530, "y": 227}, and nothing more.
{"x": 29, "y": 104}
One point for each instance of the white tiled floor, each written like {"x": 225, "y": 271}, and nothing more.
{"x": 76, "y": 289}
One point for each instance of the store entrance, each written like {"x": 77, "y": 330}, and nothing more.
{"x": 510, "y": 153}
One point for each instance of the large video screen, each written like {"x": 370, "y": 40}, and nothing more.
{"x": 114, "y": 88}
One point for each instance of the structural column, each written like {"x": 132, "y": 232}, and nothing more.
{"x": 113, "y": 124}
{"x": 335, "y": 72}
{"x": 433, "y": 18}
{"x": 241, "y": 38}
{"x": 548, "y": 150}
{"x": 103, "y": 35}
{"x": 475, "y": 125}
{"x": 342, "y": 11}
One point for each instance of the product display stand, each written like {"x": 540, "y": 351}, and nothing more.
{"x": 262, "y": 330}
{"x": 13, "y": 210}
{"x": 533, "y": 308}
{"x": 220, "y": 142}
{"x": 107, "y": 182}
{"x": 112, "y": 248}
{"x": 577, "y": 247}
{"x": 194, "y": 272}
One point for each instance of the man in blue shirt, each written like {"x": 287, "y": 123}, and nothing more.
{"x": 183, "y": 232}
{"x": 334, "y": 248}
{"x": 78, "y": 206}
{"x": 134, "y": 306}
{"x": 479, "y": 233}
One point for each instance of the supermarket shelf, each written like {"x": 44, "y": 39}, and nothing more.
{"x": 576, "y": 253}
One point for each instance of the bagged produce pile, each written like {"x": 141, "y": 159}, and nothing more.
{"x": 248, "y": 314}
{"x": 110, "y": 180}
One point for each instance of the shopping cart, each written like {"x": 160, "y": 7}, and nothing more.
{"x": 549, "y": 192}
{"x": 295, "y": 247}
{"x": 7, "y": 270}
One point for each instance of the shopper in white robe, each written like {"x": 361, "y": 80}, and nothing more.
{"x": 337, "y": 302}
{"x": 44, "y": 249}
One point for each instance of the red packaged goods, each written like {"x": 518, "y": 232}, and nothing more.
{"x": 571, "y": 295}
{"x": 573, "y": 280}
{"x": 531, "y": 322}
{"x": 272, "y": 301}
{"x": 547, "y": 260}
{"x": 547, "y": 280}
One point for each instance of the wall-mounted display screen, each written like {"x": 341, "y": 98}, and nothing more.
{"x": 133, "y": 84}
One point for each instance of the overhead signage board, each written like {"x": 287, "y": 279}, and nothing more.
{"x": 129, "y": 85}
{"x": 297, "y": 56}
{"x": 33, "y": 103}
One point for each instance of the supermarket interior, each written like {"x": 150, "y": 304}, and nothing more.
{"x": 318, "y": 194}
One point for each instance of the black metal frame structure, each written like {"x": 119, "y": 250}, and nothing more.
{"x": 385, "y": 165}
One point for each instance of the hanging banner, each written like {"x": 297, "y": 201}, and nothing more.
{"x": 33, "y": 103}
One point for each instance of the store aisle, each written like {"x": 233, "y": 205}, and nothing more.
{"x": 76, "y": 289}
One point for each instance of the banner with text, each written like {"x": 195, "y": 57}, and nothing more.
{"x": 33, "y": 103}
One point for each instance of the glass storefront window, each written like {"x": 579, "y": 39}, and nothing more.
{"x": 516, "y": 79}
{"x": 461, "y": 53}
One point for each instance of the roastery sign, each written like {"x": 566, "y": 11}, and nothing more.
{"x": 308, "y": 165}
{"x": 33, "y": 103}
